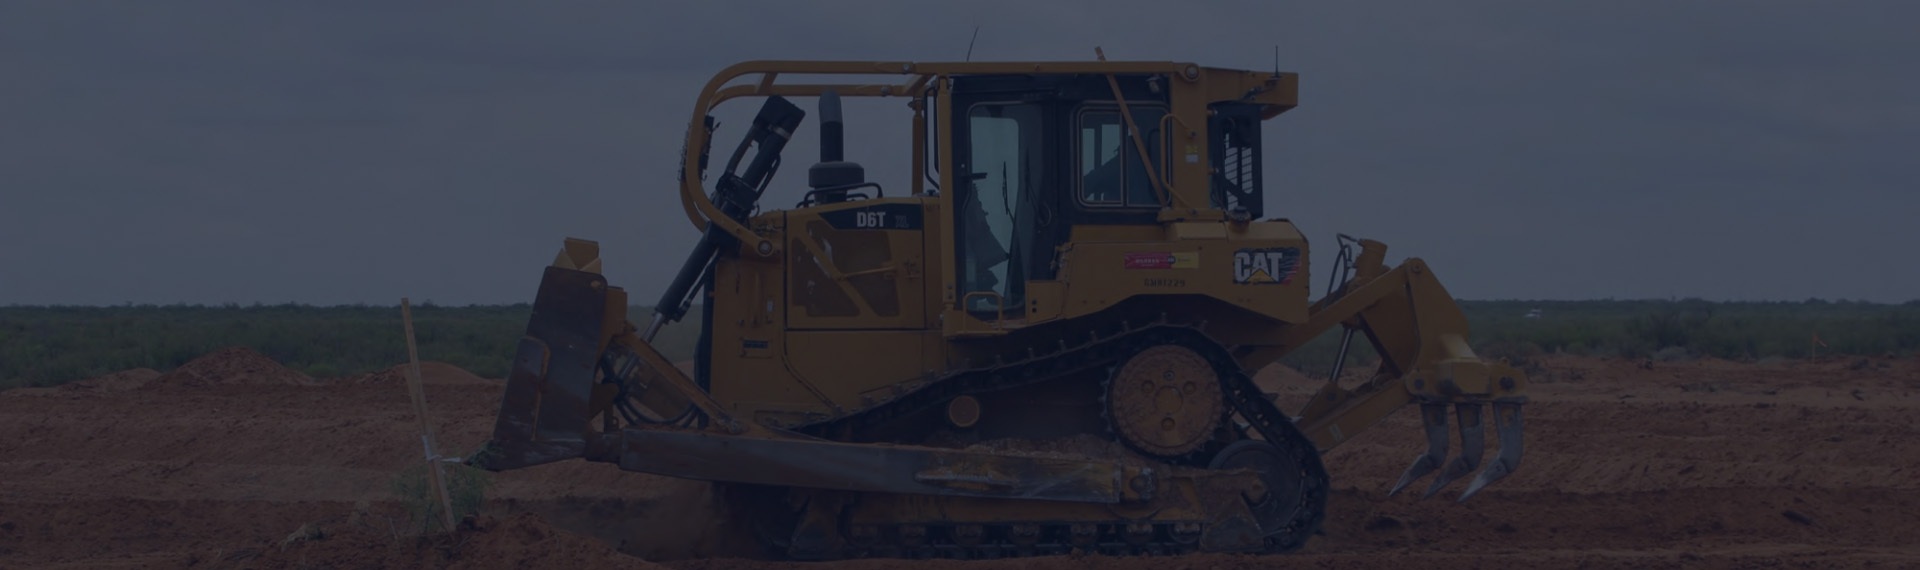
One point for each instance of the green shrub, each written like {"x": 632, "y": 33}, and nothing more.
{"x": 466, "y": 489}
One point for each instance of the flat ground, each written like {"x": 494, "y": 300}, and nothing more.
{"x": 232, "y": 461}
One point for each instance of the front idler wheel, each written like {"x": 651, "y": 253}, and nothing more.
{"x": 1278, "y": 501}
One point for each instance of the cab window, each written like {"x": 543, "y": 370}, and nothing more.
{"x": 1002, "y": 169}
{"x": 1111, "y": 172}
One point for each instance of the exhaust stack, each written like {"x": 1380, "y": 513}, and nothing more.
{"x": 832, "y": 131}
{"x": 833, "y": 176}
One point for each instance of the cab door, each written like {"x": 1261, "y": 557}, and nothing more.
{"x": 1004, "y": 205}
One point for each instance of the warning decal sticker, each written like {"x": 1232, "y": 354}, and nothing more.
{"x": 1163, "y": 260}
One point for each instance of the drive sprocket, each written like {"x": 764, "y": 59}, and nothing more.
{"x": 1165, "y": 400}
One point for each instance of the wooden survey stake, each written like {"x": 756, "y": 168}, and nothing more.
{"x": 436, "y": 476}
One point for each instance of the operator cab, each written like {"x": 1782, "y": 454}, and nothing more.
{"x": 1036, "y": 155}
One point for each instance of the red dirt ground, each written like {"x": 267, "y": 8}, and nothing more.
{"x": 234, "y": 461}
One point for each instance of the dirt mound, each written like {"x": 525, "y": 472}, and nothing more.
{"x": 115, "y": 382}
{"x": 521, "y": 541}
{"x": 1279, "y": 376}
{"x": 431, "y": 373}
{"x": 232, "y": 366}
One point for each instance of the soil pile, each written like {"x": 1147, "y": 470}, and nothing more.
{"x": 116, "y": 382}
{"x": 431, "y": 373}
{"x": 233, "y": 366}
{"x": 1280, "y": 375}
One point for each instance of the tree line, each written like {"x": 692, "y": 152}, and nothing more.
{"x": 48, "y": 345}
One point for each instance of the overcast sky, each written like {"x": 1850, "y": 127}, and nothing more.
{"x": 343, "y": 152}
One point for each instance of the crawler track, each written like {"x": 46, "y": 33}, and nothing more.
{"x": 1284, "y": 527}
{"x": 1015, "y": 540}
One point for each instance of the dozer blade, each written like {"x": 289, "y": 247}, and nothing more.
{"x": 1434, "y": 418}
{"x": 543, "y": 412}
{"x": 555, "y": 388}
{"x": 1506, "y": 424}
{"x": 1473, "y": 444}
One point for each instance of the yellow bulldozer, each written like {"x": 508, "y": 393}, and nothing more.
{"x": 1045, "y": 343}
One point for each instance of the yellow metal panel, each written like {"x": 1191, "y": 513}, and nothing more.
{"x": 846, "y": 365}
{"x": 1205, "y": 259}
{"x": 935, "y": 258}
{"x": 1278, "y": 91}
{"x": 854, "y": 277}
{"x": 1046, "y": 301}
{"x": 748, "y": 335}
{"x": 1097, "y": 234}
{"x": 1277, "y": 230}
{"x": 1186, "y": 152}
{"x": 943, "y": 116}
{"x": 1198, "y": 230}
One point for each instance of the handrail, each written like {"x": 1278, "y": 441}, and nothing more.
{"x": 1166, "y": 149}
{"x": 999, "y": 309}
